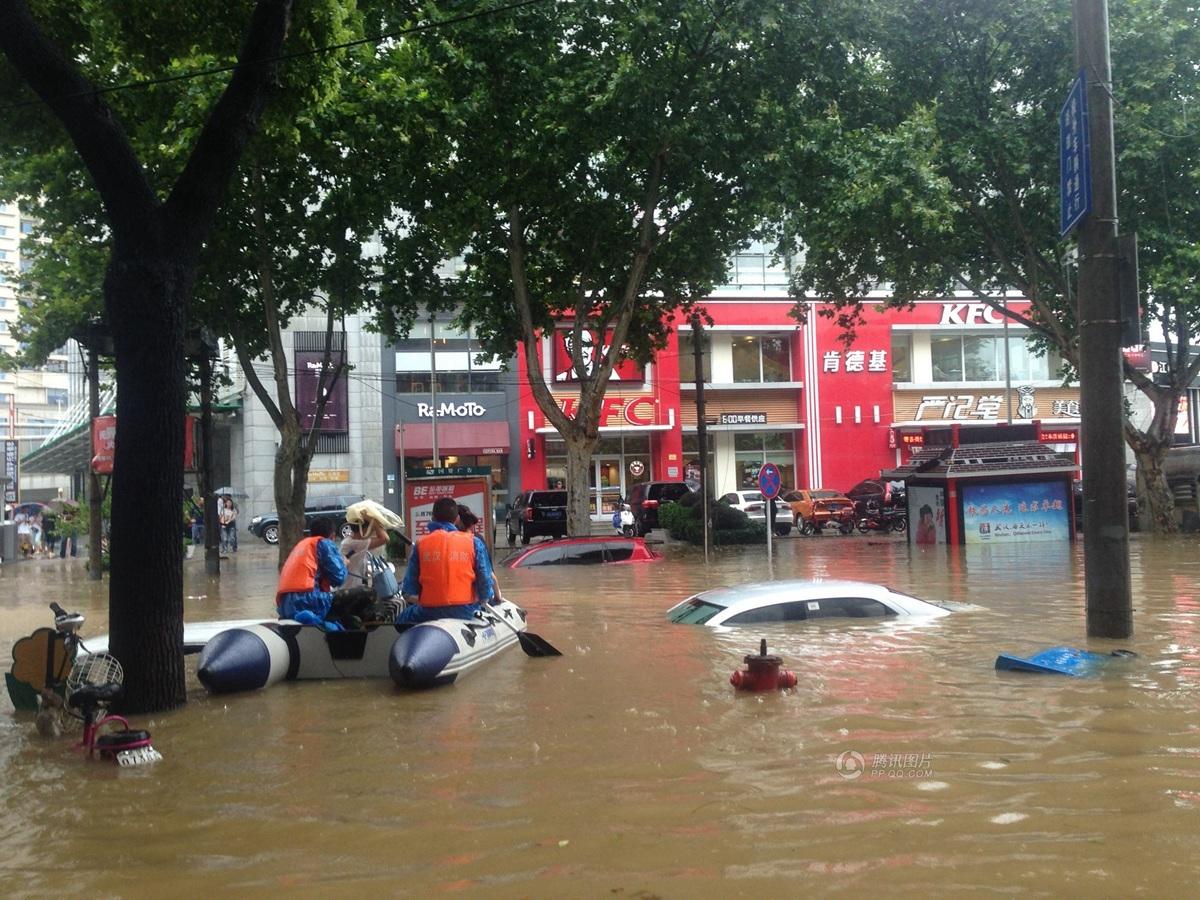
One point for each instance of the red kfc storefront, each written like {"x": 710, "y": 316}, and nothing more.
{"x": 827, "y": 413}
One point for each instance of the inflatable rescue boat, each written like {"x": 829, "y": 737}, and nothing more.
{"x": 256, "y": 653}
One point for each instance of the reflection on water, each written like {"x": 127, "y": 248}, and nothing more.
{"x": 630, "y": 765}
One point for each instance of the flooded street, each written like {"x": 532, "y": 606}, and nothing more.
{"x": 629, "y": 767}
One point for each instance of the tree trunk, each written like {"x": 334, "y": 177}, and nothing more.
{"x": 291, "y": 485}
{"x": 579, "y": 494}
{"x": 1156, "y": 503}
{"x": 146, "y": 301}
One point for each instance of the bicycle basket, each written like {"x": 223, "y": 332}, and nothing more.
{"x": 95, "y": 668}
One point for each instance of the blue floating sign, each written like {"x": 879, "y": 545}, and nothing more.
{"x": 769, "y": 481}
{"x": 1074, "y": 158}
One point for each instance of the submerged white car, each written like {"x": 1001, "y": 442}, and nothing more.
{"x": 797, "y": 601}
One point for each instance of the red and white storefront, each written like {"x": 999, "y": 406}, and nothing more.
{"x": 827, "y": 413}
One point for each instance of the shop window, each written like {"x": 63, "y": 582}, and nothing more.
{"x": 454, "y": 382}
{"x": 687, "y": 358}
{"x": 751, "y": 450}
{"x": 902, "y": 357}
{"x": 982, "y": 358}
{"x": 945, "y": 353}
{"x": 761, "y": 359}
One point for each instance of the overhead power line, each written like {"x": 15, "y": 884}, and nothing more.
{"x": 283, "y": 57}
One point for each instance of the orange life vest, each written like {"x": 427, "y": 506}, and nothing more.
{"x": 447, "y": 567}
{"x": 299, "y": 572}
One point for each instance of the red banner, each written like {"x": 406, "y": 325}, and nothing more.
{"x": 104, "y": 444}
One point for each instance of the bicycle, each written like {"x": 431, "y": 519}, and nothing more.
{"x": 92, "y": 684}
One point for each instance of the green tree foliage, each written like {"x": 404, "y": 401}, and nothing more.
{"x": 143, "y": 170}
{"x": 595, "y": 165}
{"x": 945, "y": 175}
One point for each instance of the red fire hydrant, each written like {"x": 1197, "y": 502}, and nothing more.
{"x": 762, "y": 673}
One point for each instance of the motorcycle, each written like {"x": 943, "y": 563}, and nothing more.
{"x": 883, "y": 518}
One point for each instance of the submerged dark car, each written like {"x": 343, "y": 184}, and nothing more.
{"x": 583, "y": 551}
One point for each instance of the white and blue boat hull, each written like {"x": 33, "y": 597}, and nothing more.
{"x": 427, "y": 654}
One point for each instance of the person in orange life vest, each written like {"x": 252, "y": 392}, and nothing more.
{"x": 309, "y": 575}
{"x": 466, "y": 522}
{"x": 449, "y": 572}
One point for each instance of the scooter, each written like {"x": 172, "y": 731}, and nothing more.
{"x": 885, "y": 518}
{"x": 622, "y": 520}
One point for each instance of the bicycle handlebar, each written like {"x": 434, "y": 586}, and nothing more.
{"x": 57, "y": 610}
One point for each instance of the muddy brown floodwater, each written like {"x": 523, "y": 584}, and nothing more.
{"x": 629, "y": 767}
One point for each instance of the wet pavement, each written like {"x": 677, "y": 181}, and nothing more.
{"x": 629, "y": 767}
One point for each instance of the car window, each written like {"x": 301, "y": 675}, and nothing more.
{"x": 669, "y": 490}
{"x": 549, "y": 555}
{"x": 618, "y": 551}
{"x": 795, "y": 611}
{"x": 583, "y": 554}
{"x": 825, "y": 495}
{"x": 551, "y": 498}
{"x": 695, "y": 612}
{"x": 847, "y": 607}
{"x": 754, "y": 497}
{"x": 792, "y": 496}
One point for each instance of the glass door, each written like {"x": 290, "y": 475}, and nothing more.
{"x": 606, "y": 484}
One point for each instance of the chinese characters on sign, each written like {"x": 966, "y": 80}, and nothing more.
{"x": 855, "y": 361}
{"x": 959, "y": 407}
{"x": 1074, "y": 158}
{"x": 754, "y": 418}
{"x": 1065, "y": 409}
{"x": 11, "y": 464}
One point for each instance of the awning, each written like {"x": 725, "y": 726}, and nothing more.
{"x": 454, "y": 438}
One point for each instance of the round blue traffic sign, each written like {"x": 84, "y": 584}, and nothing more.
{"x": 769, "y": 481}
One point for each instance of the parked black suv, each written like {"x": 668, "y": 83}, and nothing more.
{"x": 644, "y": 499}
{"x": 537, "y": 512}
{"x": 267, "y": 526}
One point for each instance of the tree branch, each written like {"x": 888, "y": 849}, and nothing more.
{"x": 192, "y": 205}
{"x": 128, "y": 198}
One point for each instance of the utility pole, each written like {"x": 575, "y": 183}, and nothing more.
{"x": 212, "y": 525}
{"x": 701, "y": 422}
{"x": 437, "y": 459}
{"x": 95, "y": 517}
{"x": 1101, "y": 377}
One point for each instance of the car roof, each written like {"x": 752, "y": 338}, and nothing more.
{"x": 765, "y": 593}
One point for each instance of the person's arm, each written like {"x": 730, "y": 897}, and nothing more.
{"x": 330, "y": 562}
{"x": 376, "y": 535}
{"x": 484, "y": 576}
{"x": 411, "y": 586}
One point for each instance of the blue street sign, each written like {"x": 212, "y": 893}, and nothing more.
{"x": 769, "y": 481}
{"x": 1074, "y": 158}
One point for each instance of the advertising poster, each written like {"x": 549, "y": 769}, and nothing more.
{"x": 104, "y": 443}
{"x": 1014, "y": 513}
{"x": 927, "y": 514}
{"x": 564, "y": 366}
{"x": 308, "y": 374}
{"x": 475, "y": 493}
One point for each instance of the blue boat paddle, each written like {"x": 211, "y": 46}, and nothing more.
{"x": 532, "y": 644}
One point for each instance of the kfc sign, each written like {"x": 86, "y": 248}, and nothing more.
{"x": 970, "y": 314}
{"x": 591, "y": 354}
{"x": 617, "y": 412}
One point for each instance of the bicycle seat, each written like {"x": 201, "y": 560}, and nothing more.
{"x": 95, "y": 694}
